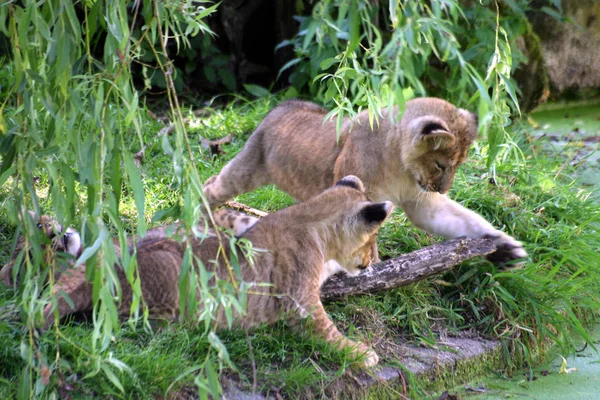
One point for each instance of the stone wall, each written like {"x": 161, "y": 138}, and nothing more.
{"x": 571, "y": 48}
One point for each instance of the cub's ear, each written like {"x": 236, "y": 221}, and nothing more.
{"x": 352, "y": 181}
{"x": 433, "y": 132}
{"x": 475, "y": 119}
{"x": 471, "y": 121}
{"x": 472, "y": 117}
{"x": 376, "y": 213}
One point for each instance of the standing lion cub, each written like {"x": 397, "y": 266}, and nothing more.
{"x": 411, "y": 163}
{"x": 296, "y": 244}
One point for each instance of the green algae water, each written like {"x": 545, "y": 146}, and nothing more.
{"x": 572, "y": 132}
{"x": 545, "y": 382}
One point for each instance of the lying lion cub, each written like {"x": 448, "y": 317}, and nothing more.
{"x": 69, "y": 241}
{"x": 411, "y": 163}
{"x": 338, "y": 224}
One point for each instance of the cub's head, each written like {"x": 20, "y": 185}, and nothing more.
{"x": 352, "y": 221}
{"x": 52, "y": 238}
{"x": 435, "y": 139}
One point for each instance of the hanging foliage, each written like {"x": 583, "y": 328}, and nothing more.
{"x": 75, "y": 118}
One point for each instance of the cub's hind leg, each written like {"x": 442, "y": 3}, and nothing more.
{"x": 238, "y": 222}
{"x": 247, "y": 171}
{"x": 323, "y": 327}
{"x": 72, "y": 283}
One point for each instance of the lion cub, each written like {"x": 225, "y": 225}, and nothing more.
{"x": 411, "y": 163}
{"x": 68, "y": 241}
{"x": 60, "y": 241}
{"x": 296, "y": 243}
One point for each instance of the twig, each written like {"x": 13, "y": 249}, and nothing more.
{"x": 247, "y": 209}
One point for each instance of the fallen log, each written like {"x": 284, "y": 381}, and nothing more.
{"x": 407, "y": 268}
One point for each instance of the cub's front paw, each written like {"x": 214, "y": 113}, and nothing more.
{"x": 370, "y": 357}
{"x": 507, "y": 251}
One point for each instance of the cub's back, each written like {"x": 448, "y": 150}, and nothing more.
{"x": 299, "y": 147}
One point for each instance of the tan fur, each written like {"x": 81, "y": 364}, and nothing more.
{"x": 411, "y": 163}
{"x": 295, "y": 244}
{"x": 69, "y": 241}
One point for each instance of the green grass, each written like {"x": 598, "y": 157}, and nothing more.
{"x": 535, "y": 200}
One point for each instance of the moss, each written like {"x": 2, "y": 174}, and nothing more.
{"x": 463, "y": 371}
{"x": 532, "y": 77}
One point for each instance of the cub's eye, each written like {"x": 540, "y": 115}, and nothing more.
{"x": 39, "y": 226}
{"x": 440, "y": 166}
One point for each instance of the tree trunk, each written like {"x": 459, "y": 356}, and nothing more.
{"x": 407, "y": 268}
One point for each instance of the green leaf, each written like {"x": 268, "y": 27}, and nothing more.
{"x": 328, "y": 62}
{"x": 218, "y": 345}
{"x": 206, "y": 12}
{"x": 112, "y": 377}
{"x": 91, "y": 250}
{"x": 338, "y": 124}
{"x": 24, "y": 390}
{"x": 116, "y": 177}
{"x": 465, "y": 276}
{"x": 212, "y": 379}
{"x": 42, "y": 27}
{"x": 73, "y": 20}
{"x": 348, "y": 73}
{"x": 65, "y": 296}
{"x": 25, "y": 351}
{"x": 309, "y": 34}
{"x": 553, "y": 13}
{"x": 135, "y": 182}
{"x": 171, "y": 213}
{"x": 355, "y": 25}
{"x": 6, "y": 174}
{"x": 184, "y": 279}
{"x": 288, "y": 65}
{"x": 510, "y": 89}
{"x": 256, "y": 91}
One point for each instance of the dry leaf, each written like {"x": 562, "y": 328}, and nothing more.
{"x": 563, "y": 367}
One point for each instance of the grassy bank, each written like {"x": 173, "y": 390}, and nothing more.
{"x": 532, "y": 197}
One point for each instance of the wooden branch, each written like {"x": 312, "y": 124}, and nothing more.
{"x": 407, "y": 268}
{"x": 246, "y": 209}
